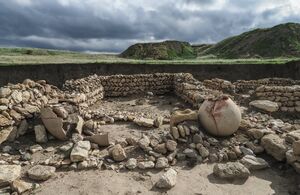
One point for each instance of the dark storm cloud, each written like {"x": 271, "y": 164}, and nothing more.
{"x": 104, "y": 25}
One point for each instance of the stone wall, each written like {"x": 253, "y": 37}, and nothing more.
{"x": 88, "y": 89}
{"x": 220, "y": 84}
{"x": 124, "y": 85}
{"x": 94, "y": 88}
{"x": 246, "y": 85}
{"x": 287, "y": 97}
{"x": 191, "y": 90}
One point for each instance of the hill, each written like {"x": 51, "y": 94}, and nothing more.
{"x": 166, "y": 50}
{"x": 279, "y": 41}
{"x": 200, "y": 49}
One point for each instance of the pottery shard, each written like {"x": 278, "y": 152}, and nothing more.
{"x": 53, "y": 124}
{"x": 220, "y": 117}
{"x": 180, "y": 116}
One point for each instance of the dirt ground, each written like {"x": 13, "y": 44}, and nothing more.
{"x": 196, "y": 181}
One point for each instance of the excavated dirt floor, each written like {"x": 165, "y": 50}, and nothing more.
{"x": 279, "y": 179}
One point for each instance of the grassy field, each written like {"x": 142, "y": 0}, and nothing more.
{"x": 29, "y": 56}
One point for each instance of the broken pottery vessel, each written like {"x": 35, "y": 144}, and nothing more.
{"x": 220, "y": 116}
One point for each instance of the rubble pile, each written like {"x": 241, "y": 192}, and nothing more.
{"x": 21, "y": 103}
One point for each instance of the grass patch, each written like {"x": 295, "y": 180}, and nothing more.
{"x": 20, "y": 56}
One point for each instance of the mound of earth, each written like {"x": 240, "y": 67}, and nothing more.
{"x": 279, "y": 41}
{"x": 166, "y": 50}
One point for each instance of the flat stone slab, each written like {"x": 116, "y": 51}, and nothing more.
{"x": 265, "y": 105}
{"x": 231, "y": 170}
{"x": 53, "y": 123}
{"x": 41, "y": 173}
{"x": 9, "y": 173}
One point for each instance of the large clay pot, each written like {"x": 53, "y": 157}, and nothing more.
{"x": 220, "y": 116}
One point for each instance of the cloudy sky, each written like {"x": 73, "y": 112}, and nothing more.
{"x": 113, "y": 25}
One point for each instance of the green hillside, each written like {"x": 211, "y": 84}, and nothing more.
{"x": 279, "y": 41}
{"x": 166, "y": 50}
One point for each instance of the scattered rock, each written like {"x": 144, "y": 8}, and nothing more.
{"x": 231, "y": 170}
{"x": 5, "y": 133}
{"x": 144, "y": 122}
{"x": 296, "y": 147}
{"x": 254, "y": 163}
{"x": 21, "y": 186}
{"x": 158, "y": 121}
{"x": 40, "y": 134}
{"x": 35, "y": 148}
{"x": 7, "y": 149}
{"x": 246, "y": 151}
{"x": 161, "y": 163}
{"x": 144, "y": 142}
{"x": 293, "y": 136}
{"x": 265, "y": 105}
{"x": 167, "y": 180}
{"x": 256, "y": 133}
{"x": 4, "y": 121}
{"x": 171, "y": 145}
{"x": 146, "y": 165}
{"x": 118, "y": 153}
{"x": 82, "y": 165}
{"x": 80, "y": 151}
{"x": 161, "y": 148}
{"x": 175, "y": 132}
{"x": 190, "y": 153}
{"x": 275, "y": 146}
{"x": 100, "y": 139}
{"x": 202, "y": 151}
{"x": 9, "y": 173}
{"x": 131, "y": 164}
{"x": 60, "y": 112}
{"x": 41, "y": 173}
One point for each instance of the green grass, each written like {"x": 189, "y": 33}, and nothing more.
{"x": 279, "y": 41}
{"x": 21, "y": 56}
